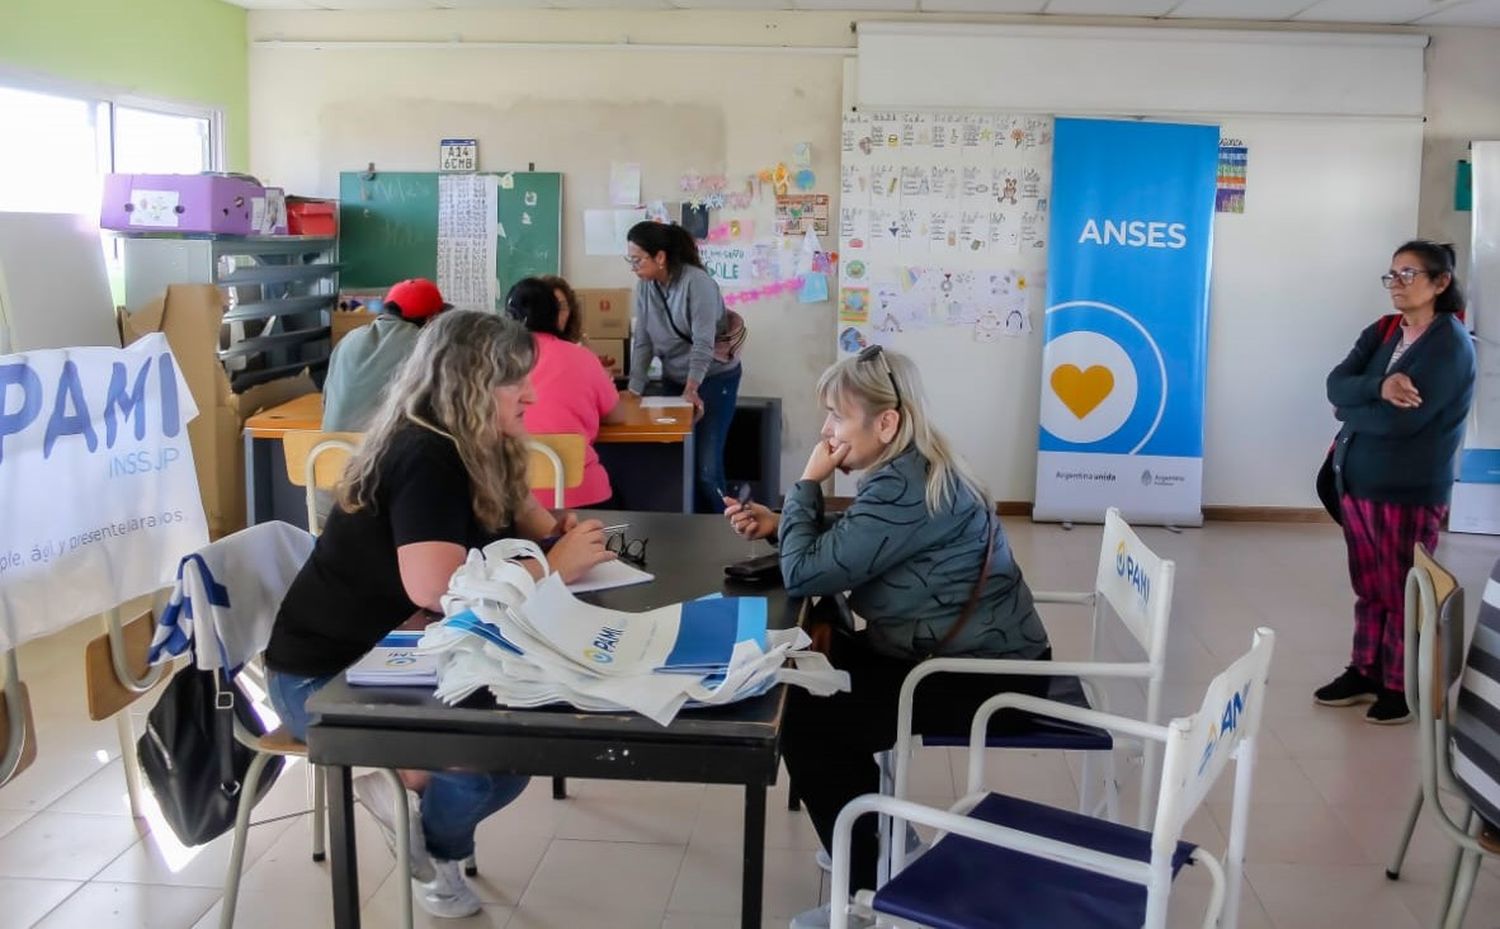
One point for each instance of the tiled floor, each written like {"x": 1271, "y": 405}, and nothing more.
{"x": 1329, "y": 789}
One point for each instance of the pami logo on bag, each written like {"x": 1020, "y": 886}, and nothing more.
{"x": 605, "y": 643}
{"x": 1128, "y": 568}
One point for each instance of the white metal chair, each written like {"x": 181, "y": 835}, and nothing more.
{"x": 1136, "y": 584}
{"x": 1014, "y": 863}
{"x": 1456, "y": 739}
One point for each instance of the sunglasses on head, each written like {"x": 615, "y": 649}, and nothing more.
{"x": 876, "y": 353}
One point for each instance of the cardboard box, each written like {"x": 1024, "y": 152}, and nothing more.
{"x": 190, "y": 316}
{"x": 343, "y": 322}
{"x": 612, "y": 352}
{"x": 606, "y": 312}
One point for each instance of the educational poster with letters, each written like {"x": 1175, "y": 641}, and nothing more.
{"x": 97, "y": 486}
{"x": 1124, "y": 360}
{"x": 942, "y": 224}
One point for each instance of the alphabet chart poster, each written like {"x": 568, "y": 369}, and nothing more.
{"x": 943, "y": 220}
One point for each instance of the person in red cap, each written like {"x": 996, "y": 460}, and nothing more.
{"x": 366, "y": 360}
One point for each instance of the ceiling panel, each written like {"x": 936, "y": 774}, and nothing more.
{"x": 884, "y": 6}
{"x": 1110, "y": 7}
{"x": 484, "y": 4}
{"x": 753, "y": 5}
{"x": 1477, "y": 13}
{"x": 982, "y": 6}
{"x": 1374, "y": 11}
{"x": 273, "y": 4}
{"x": 371, "y": 4}
{"x": 1260, "y": 10}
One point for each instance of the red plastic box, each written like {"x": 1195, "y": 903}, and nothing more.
{"x": 306, "y": 216}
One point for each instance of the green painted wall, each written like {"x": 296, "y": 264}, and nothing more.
{"x": 193, "y": 51}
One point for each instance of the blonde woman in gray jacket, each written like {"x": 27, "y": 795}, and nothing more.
{"x": 679, "y": 313}
{"x": 925, "y": 563}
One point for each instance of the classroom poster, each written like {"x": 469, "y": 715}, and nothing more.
{"x": 942, "y": 224}
{"x": 1234, "y": 158}
{"x": 1126, "y": 336}
{"x": 96, "y": 482}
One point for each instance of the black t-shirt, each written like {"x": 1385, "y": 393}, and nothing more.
{"x": 348, "y": 595}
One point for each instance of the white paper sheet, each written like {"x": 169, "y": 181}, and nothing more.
{"x": 609, "y": 575}
{"x": 625, "y": 184}
{"x": 662, "y": 403}
{"x": 604, "y": 230}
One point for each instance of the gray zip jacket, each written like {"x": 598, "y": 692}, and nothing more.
{"x": 696, "y": 309}
{"x": 909, "y": 571}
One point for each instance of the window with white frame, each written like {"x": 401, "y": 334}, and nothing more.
{"x": 55, "y": 149}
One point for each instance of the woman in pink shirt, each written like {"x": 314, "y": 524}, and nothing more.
{"x": 574, "y": 391}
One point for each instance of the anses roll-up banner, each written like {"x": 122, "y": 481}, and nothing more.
{"x": 1124, "y": 361}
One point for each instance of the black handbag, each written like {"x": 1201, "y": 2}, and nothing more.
{"x": 1328, "y": 489}
{"x": 191, "y": 758}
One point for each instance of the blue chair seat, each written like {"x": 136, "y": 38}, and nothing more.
{"x": 964, "y": 884}
{"x": 1013, "y": 729}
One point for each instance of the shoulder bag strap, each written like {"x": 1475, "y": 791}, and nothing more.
{"x": 974, "y": 594}
{"x": 667, "y": 308}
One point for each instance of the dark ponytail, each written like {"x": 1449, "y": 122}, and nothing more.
{"x": 678, "y": 244}
{"x": 1438, "y": 259}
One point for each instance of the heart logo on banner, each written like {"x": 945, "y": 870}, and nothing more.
{"x": 1081, "y": 391}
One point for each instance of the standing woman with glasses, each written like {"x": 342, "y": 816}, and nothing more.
{"x": 1402, "y": 396}
{"x": 679, "y": 314}
{"x": 926, "y": 564}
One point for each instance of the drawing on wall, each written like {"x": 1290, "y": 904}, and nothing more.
{"x": 943, "y": 221}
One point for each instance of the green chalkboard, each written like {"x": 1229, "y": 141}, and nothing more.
{"x": 388, "y": 227}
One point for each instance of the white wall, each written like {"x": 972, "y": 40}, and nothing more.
{"x": 316, "y": 113}
{"x": 1463, "y": 105}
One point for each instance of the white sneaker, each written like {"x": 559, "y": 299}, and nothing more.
{"x": 914, "y": 848}
{"x": 447, "y": 895}
{"x": 378, "y": 795}
{"x": 822, "y": 917}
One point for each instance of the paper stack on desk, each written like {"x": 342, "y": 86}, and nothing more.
{"x": 533, "y": 643}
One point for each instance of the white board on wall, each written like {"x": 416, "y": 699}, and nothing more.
{"x": 1295, "y": 277}
{"x": 53, "y": 289}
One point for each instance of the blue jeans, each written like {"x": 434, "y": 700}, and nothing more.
{"x": 719, "y": 394}
{"x": 454, "y": 803}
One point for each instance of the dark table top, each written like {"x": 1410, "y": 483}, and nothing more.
{"x": 687, "y": 554}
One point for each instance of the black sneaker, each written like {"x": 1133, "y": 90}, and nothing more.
{"x": 1389, "y": 710}
{"x": 1347, "y": 689}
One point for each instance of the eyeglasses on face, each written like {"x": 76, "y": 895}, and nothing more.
{"x": 1405, "y": 276}
{"x": 632, "y": 550}
{"x": 635, "y": 261}
{"x": 876, "y": 354}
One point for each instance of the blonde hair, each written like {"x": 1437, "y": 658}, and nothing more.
{"x": 862, "y": 381}
{"x": 448, "y": 387}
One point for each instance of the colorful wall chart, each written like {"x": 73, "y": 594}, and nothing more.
{"x": 942, "y": 223}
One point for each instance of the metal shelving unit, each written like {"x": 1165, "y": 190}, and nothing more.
{"x": 281, "y": 290}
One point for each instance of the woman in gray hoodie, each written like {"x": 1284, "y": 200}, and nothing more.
{"x": 925, "y": 563}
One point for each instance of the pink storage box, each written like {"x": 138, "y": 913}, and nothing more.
{"x": 179, "y": 203}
